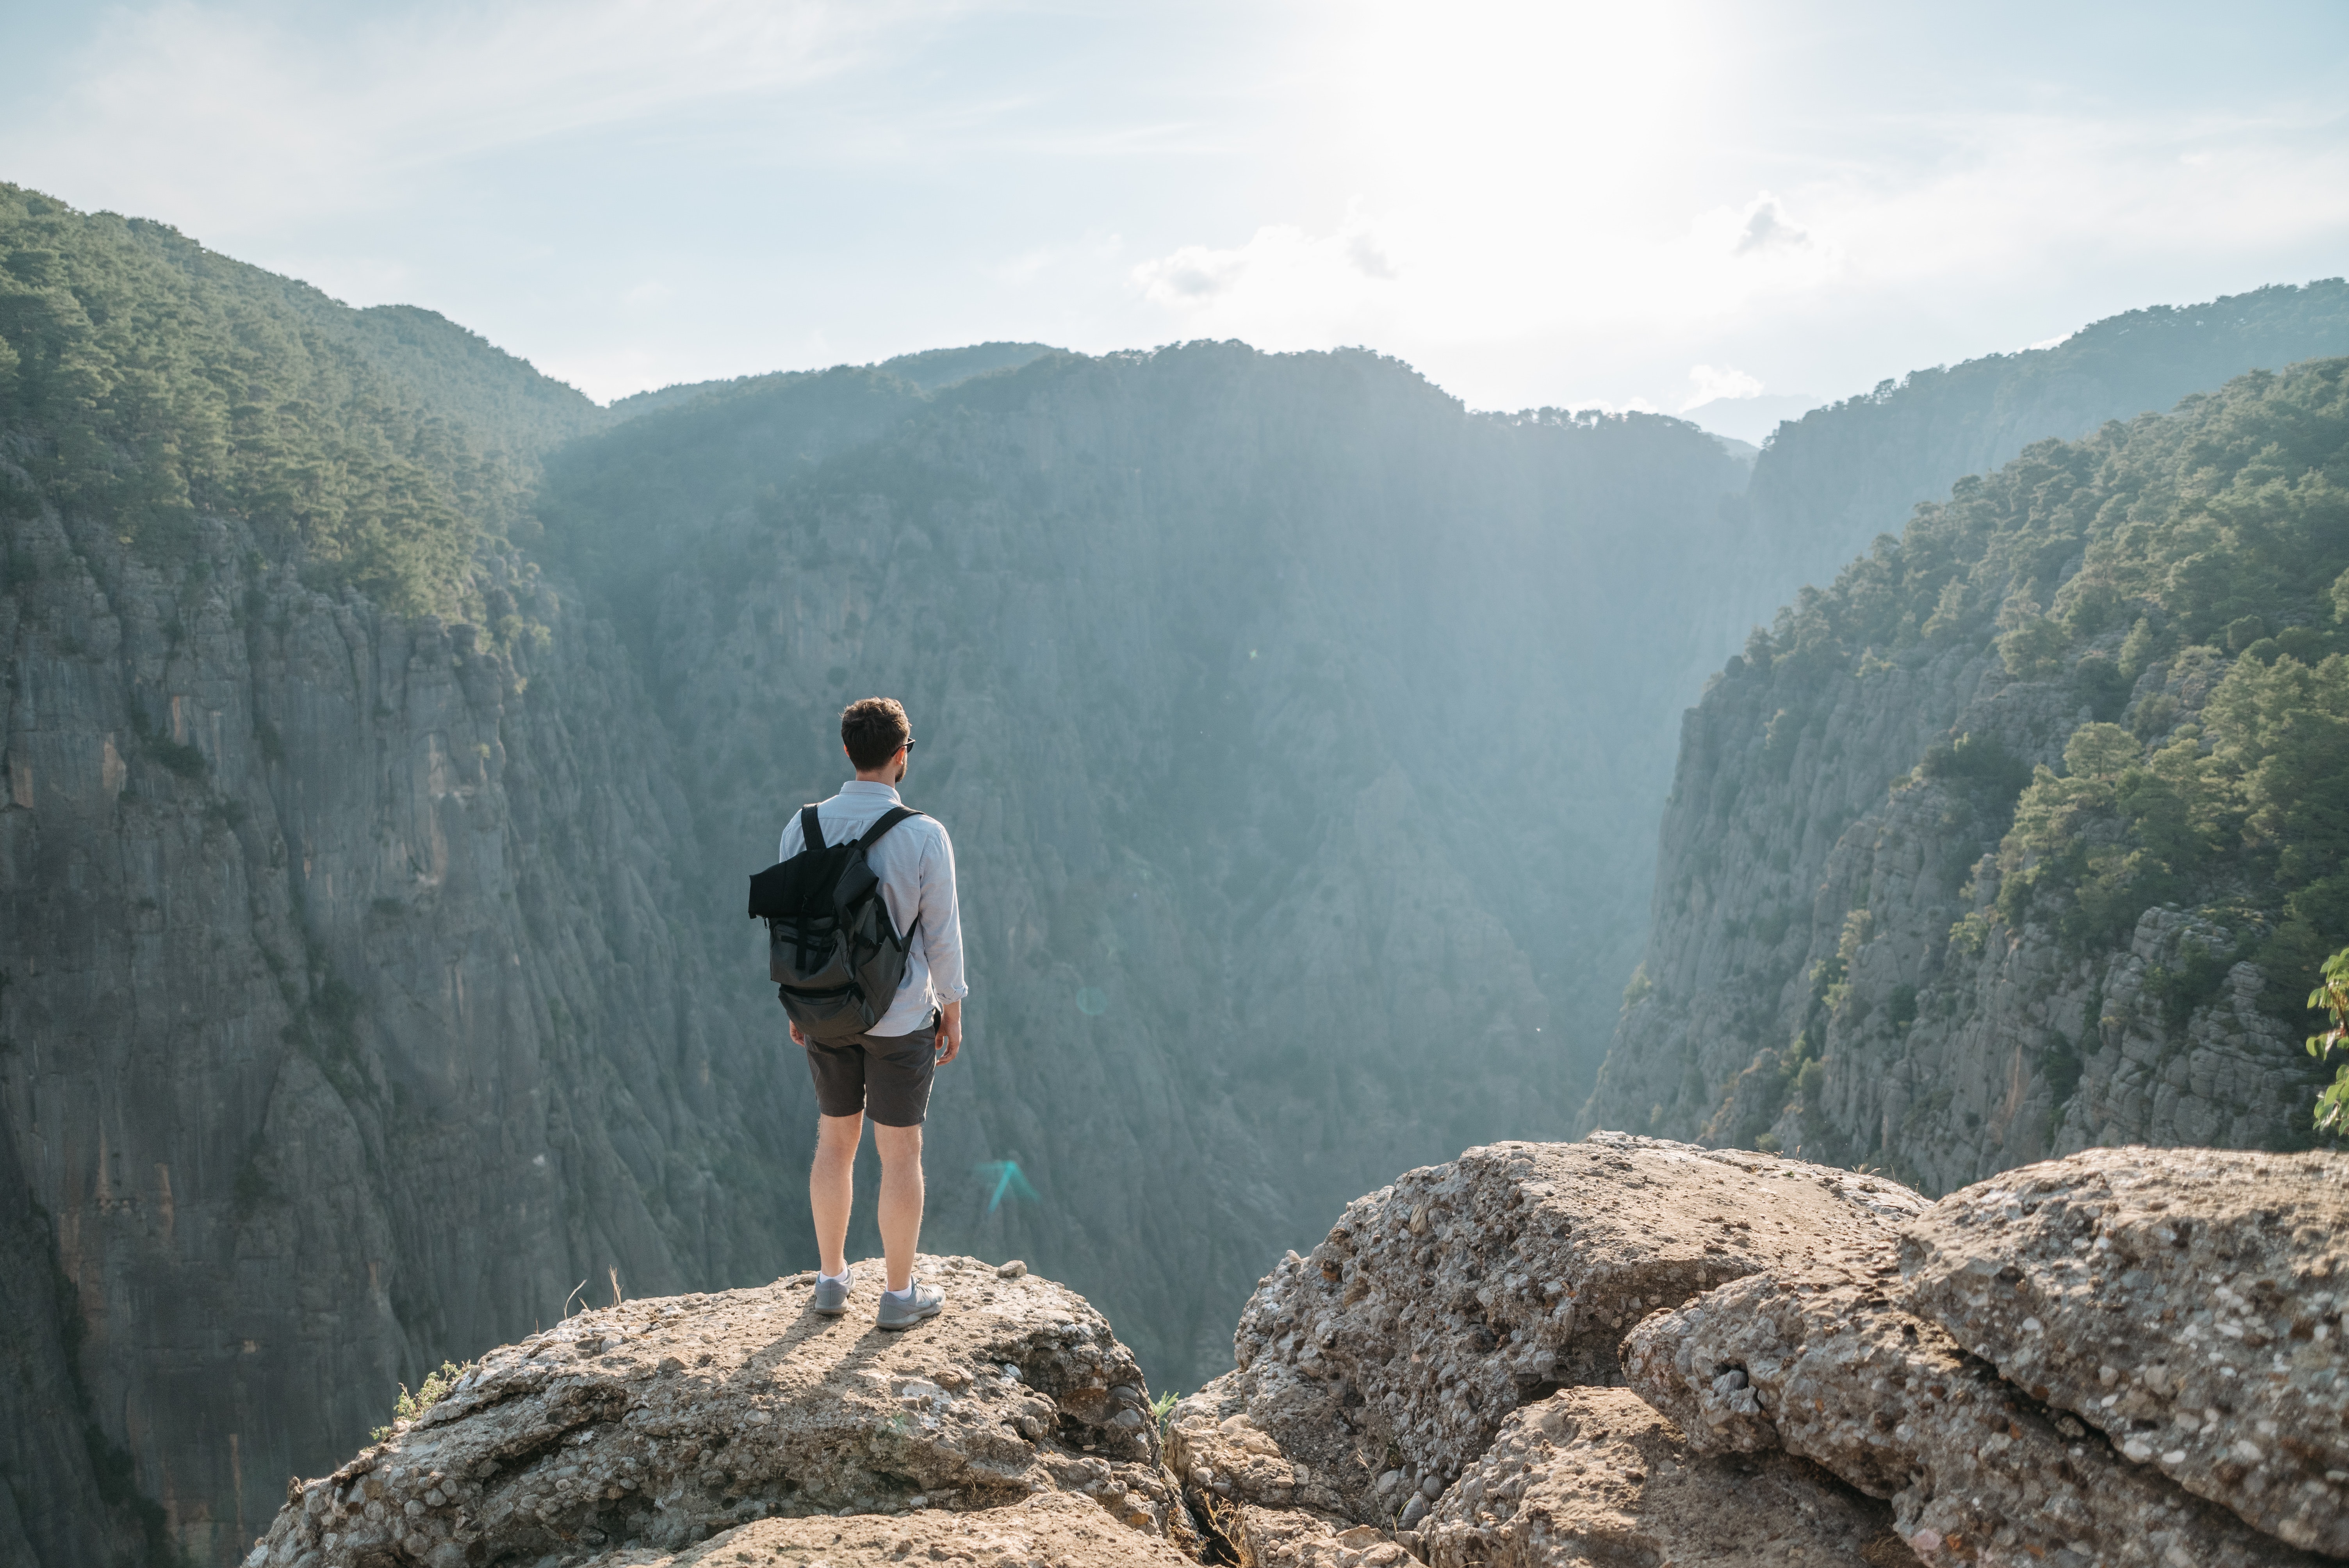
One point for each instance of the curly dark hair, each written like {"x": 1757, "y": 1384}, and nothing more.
{"x": 872, "y": 728}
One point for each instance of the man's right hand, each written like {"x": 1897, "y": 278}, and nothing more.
{"x": 798, "y": 1038}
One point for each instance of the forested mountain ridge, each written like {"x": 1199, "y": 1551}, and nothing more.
{"x": 1843, "y": 473}
{"x": 149, "y": 381}
{"x": 929, "y": 370}
{"x": 2105, "y": 687}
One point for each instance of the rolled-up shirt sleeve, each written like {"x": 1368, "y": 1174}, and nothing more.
{"x": 941, "y": 932}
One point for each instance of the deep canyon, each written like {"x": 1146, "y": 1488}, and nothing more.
{"x": 389, "y": 730}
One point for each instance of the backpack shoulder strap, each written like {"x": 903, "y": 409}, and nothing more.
{"x": 810, "y": 830}
{"x": 889, "y": 818}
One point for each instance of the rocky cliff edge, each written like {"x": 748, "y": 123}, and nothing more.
{"x": 1623, "y": 1350}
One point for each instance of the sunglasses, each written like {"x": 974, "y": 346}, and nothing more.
{"x": 909, "y": 743}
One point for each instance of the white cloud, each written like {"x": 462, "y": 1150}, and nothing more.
{"x": 1284, "y": 286}
{"x": 1708, "y": 382}
{"x": 1196, "y": 275}
{"x": 1767, "y": 228}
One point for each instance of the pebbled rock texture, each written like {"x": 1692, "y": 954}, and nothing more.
{"x": 1809, "y": 1411}
{"x": 2187, "y": 1302}
{"x": 1595, "y": 1476}
{"x": 1052, "y": 1529}
{"x": 1295, "y": 1538}
{"x": 1271, "y": 1509}
{"x": 658, "y": 1422}
{"x": 1827, "y": 1364}
{"x": 1440, "y": 1304}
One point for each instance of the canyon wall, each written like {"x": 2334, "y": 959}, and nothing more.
{"x": 2014, "y": 841}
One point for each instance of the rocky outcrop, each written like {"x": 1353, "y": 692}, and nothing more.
{"x": 1392, "y": 1379}
{"x": 660, "y": 1422}
{"x": 1792, "y": 1388}
{"x": 1437, "y": 1304}
{"x": 1828, "y": 1365}
{"x": 1973, "y": 1376}
{"x": 1376, "y": 1373}
{"x": 2190, "y": 1309}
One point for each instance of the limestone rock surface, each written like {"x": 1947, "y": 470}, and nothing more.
{"x": 1443, "y": 1382}
{"x": 2187, "y": 1302}
{"x": 1438, "y": 1305}
{"x": 1050, "y": 1528}
{"x": 1827, "y": 1364}
{"x": 1595, "y": 1476}
{"x": 1297, "y": 1538}
{"x": 1272, "y": 1508}
{"x": 658, "y": 1422}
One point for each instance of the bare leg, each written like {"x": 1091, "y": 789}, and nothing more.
{"x": 832, "y": 1186}
{"x": 901, "y": 1199}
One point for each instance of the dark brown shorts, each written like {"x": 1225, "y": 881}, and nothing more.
{"x": 887, "y": 1077}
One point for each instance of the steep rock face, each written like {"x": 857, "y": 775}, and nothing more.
{"x": 1787, "y": 859}
{"x": 348, "y": 1028}
{"x": 1896, "y": 921}
{"x": 69, "y": 1497}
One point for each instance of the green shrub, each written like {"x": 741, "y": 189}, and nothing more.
{"x": 436, "y": 1388}
{"x": 2331, "y": 996}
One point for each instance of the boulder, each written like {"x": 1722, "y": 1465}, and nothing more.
{"x": 2187, "y": 1302}
{"x": 1050, "y": 1528}
{"x": 1827, "y": 1364}
{"x": 1594, "y": 1475}
{"x": 1437, "y": 1305}
{"x": 656, "y": 1423}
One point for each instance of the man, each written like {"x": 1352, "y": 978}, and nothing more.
{"x": 885, "y": 1073}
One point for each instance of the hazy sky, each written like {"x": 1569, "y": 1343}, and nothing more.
{"x": 1635, "y": 203}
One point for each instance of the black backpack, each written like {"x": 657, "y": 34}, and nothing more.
{"x": 833, "y": 951}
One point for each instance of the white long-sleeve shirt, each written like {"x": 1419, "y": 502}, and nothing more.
{"x": 915, "y": 860}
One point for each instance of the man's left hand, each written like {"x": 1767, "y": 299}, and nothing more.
{"x": 949, "y": 1035}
